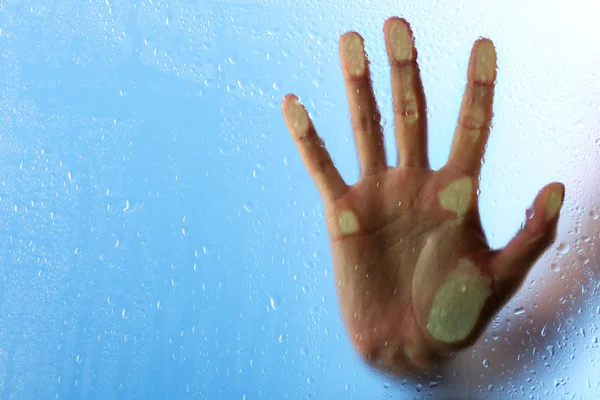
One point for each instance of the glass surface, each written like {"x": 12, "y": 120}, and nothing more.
{"x": 162, "y": 240}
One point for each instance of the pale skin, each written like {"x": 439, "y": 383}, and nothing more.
{"x": 415, "y": 276}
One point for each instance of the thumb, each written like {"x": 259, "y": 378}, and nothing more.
{"x": 511, "y": 265}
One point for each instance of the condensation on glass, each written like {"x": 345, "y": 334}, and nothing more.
{"x": 161, "y": 239}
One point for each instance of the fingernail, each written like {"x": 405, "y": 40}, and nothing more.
{"x": 401, "y": 41}
{"x": 554, "y": 202}
{"x": 485, "y": 61}
{"x": 297, "y": 117}
{"x": 353, "y": 52}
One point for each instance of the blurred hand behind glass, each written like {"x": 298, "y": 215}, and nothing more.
{"x": 415, "y": 276}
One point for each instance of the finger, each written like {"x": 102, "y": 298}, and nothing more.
{"x": 512, "y": 264}
{"x": 408, "y": 96}
{"x": 365, "y": 116}
{"x": 312, "y": 149}
{"x": 475, "y": 117}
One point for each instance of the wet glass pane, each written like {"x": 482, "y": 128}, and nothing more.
{"x": 161, "y": 238}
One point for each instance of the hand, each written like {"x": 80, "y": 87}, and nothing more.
{"x": 415, "y": 276}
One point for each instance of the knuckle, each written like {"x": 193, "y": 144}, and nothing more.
{"x": 365, "y": 120}
{"x": 323, "y": 163}
{"x": 473, "y": 122}
{"x": 310, "y": 140}
{"x": 407, "y": 108}
{"x": 362, "y": 122}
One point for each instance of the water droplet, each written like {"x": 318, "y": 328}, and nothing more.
{"x": 555, "y": 267}
{"x": 79, "y": 359}
{"x": 124, "y": 314}
{"x": 485, "y": 363}
{"x": 519, "y": 311}
{"x": 275, "y": 302}
{"x": 543, "y": 332}
{"x": 463, "y": 287}
{"x": 158, "y": 305}
{"x": 563, "y": 248}
{"x": 419, "y": 387}
{"x": 594, "y": 214}
{"x": 318, "y": 311}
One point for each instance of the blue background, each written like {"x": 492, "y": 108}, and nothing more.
{"x": 162, "y": 240}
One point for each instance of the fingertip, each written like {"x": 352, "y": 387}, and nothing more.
{"x": 483, "y": 63}
{"x": 554, "y": 189}
{"x": 399, "y": 40}
{"x": 390, "y": 21}
{"x": 353, "y": 55}
{"x": 351, "y": 41}
{"x": 351, "y": 34}
{"x": 296, "y": 116}
{"x": 287, "y": 98}
{"x": 484, "y": 43}
{"x": 484, "y": 39}
{"x": 542, "y": 217}
{"x": 554, "y": 185}
{"x": 553, "y": 199}
{"x": 559, "y": 186}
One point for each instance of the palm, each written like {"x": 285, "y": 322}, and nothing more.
{"x": 400, "y": 211}
{"x": 414, "y": 273}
